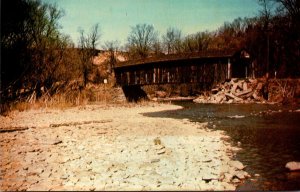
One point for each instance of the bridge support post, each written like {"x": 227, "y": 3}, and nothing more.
{"x": 229, "y": 69}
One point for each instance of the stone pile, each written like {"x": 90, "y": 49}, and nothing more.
{"x": 235, "y": 91}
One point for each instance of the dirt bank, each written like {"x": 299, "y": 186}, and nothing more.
{"x": 113, "y": 148}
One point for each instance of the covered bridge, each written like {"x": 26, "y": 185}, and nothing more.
{"x": 201, "y": 67}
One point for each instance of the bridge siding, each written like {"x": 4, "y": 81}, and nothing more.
{"x": 201, "y": 70}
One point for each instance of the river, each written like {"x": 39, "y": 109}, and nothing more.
{"x": 269, "y": 136}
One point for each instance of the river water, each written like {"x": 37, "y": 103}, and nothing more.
{"x": 269, "y": 136}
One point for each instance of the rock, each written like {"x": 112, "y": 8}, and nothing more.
{"x": 154, "y": 160}
{"x": 161, "y": 94}
{"x": 219, "y": 98}
{"x": 64, "y": 176}
{"x": 214, "y": 91}
{"x": 159, "y": 147}
{"x": 236, "y": 116}
{"x": 234, "y": 87}
{"x": 245, "y": 86}
{"x": 241, "y": 174}
{"x": 236, "y": 164}
{"x": 56, "y": 142}
{"x": 227, "y": 177}
{"x": 73, "y": 180}
{"x": 64, "y": 159}
{"x": 206, "y": 160}
{"x": 236, "y": 180}
{"x": 230, "y": 101}
{"x": 39, "y": 170}
{"x": 208, "y": 176}
{"x": 45, "y": 174}
{"x": 253, "y": 81}
{"x": 259, "y": 86}
{"x": 293, "y": 166}
{"x": 233, "y": 97}
{"x": 157, "y": 141}
{"x": 240, "y": 85}
{"x": 245, "y": 92}
{"x": 255, "y": 95}
{"x": 160, "y": 152}
{"x": 81, "y": 147}
{"x": 241, "y": 91}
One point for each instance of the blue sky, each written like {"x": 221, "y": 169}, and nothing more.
{"x": 115, "y": 17}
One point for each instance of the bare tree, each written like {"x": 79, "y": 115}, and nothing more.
{"x": 292, "y": 7}
{"x": 189, "y": 43}
{"x": 266, "y": 10}
{"x": 202, "y": 41}
{"x": 32, "y": 44}
{"x": 172, "y": 40}
{"x": 197, "y": 42}
{"x": 157, "y": 47}
{"x": 141, "y": 40}
{"x": 112, "y": 47}
{"x": 87, "y": 45}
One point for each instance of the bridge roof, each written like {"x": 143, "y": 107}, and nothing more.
{"x": 174, "y": 57}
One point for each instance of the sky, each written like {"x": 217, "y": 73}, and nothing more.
{"x": 116, "y": 17}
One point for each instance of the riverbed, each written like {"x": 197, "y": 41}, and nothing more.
{"x": 179, "y": 146}
{"x": 269, "y": 136}
{"x": 103, "y": 147}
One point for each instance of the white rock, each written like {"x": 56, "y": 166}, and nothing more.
{"x": 293, "y": 166}
{"x": 160, "y": 152}
{"x": 64, "y": 176}
{"x": 236, "y": 164}
{"x": 241, "y": 174}
{"x": 207, "y": 176}
{"x": 235, "y": 180}
{"x": 227, "y": 177}
{"x": 236, "y": 116}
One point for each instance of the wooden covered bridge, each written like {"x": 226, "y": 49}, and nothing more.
{"x": 203, "y": 67}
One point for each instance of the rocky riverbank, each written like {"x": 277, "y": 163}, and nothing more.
{"x": 253, "y": 91}
{"x": 114, "y": 148}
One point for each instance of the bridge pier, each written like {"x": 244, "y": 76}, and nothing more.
{"x": 134, "y": 93}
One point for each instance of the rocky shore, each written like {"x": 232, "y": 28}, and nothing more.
{"x": 236, "y": 91}
{"x": 114, "y": 148}
{"x": 250, "y": 90}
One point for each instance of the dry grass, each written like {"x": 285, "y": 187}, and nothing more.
{"x": 93, "y": 94}
{"x": 283, "y": 90}
{"x": 98, "y": 94}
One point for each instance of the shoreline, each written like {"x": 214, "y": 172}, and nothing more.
{"x": 115, "y": 148}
